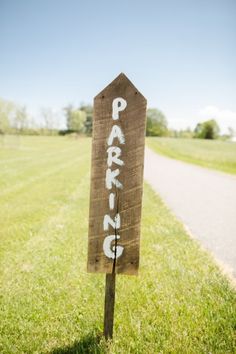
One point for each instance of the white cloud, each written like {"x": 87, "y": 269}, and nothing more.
{"x": 224, "y": 117}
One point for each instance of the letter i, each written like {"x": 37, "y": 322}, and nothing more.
{"x": 111, "y": 201}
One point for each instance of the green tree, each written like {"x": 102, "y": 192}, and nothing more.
{"x": 156, "y": 123}
{"x": 7, "y": 109}
{"x": 75, "y": 119}
{"x": 88, "y": 124}
{"x": 48, "y": 118}
{"x": 207, "y": 130}
{"x": 21, "y": 118}
{"x": 231, "y": 132}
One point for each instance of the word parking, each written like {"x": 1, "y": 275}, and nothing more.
{"x": 114, "y": 159}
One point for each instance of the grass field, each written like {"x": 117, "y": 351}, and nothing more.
{"x": 219, "y": 155}
{"x": 179, "y": 303}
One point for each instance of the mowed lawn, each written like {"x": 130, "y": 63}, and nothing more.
{"x": 216, "y": 154}
{"x": 179, "y": 303}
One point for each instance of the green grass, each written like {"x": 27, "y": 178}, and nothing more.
{"x": 179, "y": 303}
{"x": 219, "y": 155}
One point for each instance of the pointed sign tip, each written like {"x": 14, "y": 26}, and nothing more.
{"x": 119, "y": 80}
{"x": 122, "y": 74}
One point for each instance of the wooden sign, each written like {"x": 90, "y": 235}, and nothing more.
{"x": 119, "y": 124}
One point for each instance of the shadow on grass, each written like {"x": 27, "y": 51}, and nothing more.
{"x": 92, "y": 343}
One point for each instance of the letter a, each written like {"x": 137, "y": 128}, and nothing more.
{"x": 116, "y": 132}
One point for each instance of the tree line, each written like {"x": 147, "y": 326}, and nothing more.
{"x": 80, "y": 121}
{"x": 14, "y": 119}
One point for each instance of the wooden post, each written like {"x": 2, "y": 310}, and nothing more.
{"x": 116, "y": 187}
{"x": 109, "y": 305}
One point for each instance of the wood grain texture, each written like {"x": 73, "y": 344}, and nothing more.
{"x": 109, "y": 305}
{"x": 128, "y": 201}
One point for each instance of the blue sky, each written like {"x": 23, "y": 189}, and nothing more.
{"x": 180, "y": 54}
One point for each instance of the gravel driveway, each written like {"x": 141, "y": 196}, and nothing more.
{"x": 203, "y": 199}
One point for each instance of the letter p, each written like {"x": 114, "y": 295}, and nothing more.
{"x": 118, "y": 105}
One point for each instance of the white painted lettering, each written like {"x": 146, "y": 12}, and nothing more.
{"x": 118, "y": 105}
{"x": 110, "y": 250}
{"x": 108, "y": 221}
{"x": 111, "y": 178}
{"x": 111, "y": 201}
{"x": 114, "y": 153}
{"x": 116, "y": 132}
{"x": 113, "y": 156}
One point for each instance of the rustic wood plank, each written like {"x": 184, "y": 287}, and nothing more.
{"x": 128, "y": 200}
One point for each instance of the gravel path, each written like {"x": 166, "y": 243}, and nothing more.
{"x": 203, "y": 199}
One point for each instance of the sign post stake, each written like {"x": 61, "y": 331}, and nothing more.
{"x": 110, "y": 289}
